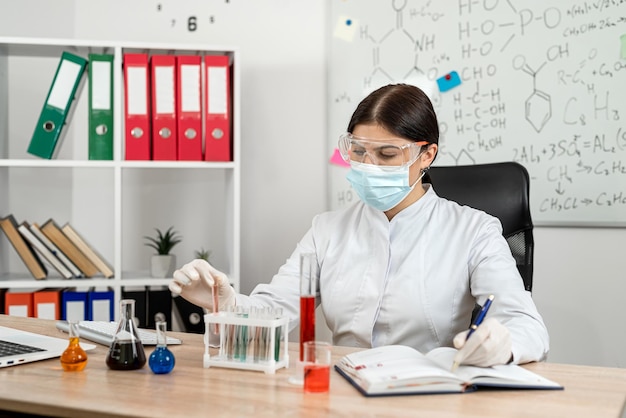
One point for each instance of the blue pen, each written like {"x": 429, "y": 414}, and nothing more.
{"x": 480, "y": 317}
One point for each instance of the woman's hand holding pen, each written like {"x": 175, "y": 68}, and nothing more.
{"x": 195, "y": 281}
{"x": 490, "y": 344}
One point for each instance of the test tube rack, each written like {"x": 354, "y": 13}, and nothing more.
{"x": 248, "y": 343}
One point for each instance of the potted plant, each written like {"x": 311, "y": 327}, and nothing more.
{"x": 202, "y": 254}
{"x": 162, "y": 264}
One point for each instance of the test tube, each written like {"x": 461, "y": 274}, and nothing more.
{"x": 250, "y": 347}
{"x": 230, "y": 335}
{"x": 277, "y": 315}
{"x": 308, "y": 292}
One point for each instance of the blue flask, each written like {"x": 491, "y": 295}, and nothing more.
{"x": 161, "y": 360}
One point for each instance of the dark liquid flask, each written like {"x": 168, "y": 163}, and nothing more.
{"x": 126, "y": 351}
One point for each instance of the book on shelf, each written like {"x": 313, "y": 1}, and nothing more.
{"x": 34, "y": 228}
{"x": 30, "y": 258}
{"x": 45, "y": 253}
{"x": 56, "y": 235}
{"x": 89, "y": 251}
{"x": 402, "y": 370}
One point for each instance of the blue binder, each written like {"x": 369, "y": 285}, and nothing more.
{"x": 73, "y": 305}
{"x": 100, "y": 305}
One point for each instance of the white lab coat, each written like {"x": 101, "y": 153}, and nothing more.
{"x": 412, "y": 280}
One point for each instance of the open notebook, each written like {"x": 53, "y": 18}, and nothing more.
{"x": 21, "y": 347}
{"x": 401, "y": 370}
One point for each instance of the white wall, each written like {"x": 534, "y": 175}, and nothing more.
{"x": 580, "y": 289}
{"x": 579, "y": 273}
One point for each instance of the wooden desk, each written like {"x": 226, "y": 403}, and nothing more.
{"x": 191, "y": 390}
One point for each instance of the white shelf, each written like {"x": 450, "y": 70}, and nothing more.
{"x": 5, "y": 162}
{"x": 113, "y": 204}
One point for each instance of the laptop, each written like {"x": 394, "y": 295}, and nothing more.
{"x": 21, "y": 347}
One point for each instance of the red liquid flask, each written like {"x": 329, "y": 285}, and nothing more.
{"x": 316, "y": 377}
{"x": 317, "y": 359}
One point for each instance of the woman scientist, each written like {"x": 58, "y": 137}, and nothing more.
{"x": 402, "y": 265}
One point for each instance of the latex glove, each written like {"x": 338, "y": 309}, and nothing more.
{"x": 489, "y": 345}
{"x": 195, "y": 280}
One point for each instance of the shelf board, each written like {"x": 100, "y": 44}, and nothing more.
{"x": 176, "y": 164}
{"x": 7, "y": 162}
{"x": 90, "y": 43}
{"x": 16, "y": 282}
{"x": 23, "y": 281}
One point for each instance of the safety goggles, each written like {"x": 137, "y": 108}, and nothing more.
{"x": 356, "y": 149}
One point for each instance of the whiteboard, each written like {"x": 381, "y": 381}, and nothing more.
{"x": 542, "y": 82}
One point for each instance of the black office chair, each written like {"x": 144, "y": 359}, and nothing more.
{"x": 501, "y": 190}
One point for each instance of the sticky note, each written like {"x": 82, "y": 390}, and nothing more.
{"x": 345, "y": 28}
{"x": 623, "y": 47}
{"x": 337, "y": 159}
{"x": 448, "y": 81}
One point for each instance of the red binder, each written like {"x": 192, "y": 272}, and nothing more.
{"x": 18, "y": 303}
{"x": 47, "y": 304}
{"x": 218, "y": 140}
{"x": 189, "y": 107}
{"x": 163, "y": 76}
{"x": 136, "y": 107}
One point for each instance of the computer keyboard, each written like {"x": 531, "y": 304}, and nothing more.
{"x": 103, "y": 332}
{"x": 8, "y": 348}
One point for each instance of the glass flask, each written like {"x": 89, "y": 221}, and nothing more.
{"x": 161, "y": 360}
{"x": 74, "y": 358}
{"x": 126, "y": 351}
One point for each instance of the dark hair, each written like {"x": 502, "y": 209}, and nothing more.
{"x": 401, "y": 109}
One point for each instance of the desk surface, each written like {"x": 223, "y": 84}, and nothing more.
{"x": 191, "y": 390}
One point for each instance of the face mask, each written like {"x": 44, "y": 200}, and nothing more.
{"x": 378, "y": 186}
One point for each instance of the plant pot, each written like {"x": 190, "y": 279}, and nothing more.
{"x": 162, "y": 266}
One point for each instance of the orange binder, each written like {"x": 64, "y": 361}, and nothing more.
{"x": 136, "y": 107}
{"x": 189, "y": 107}
{"x": 18, "y": 303}
{"x": 164, "y": 133}
{"x": 218, "y": 141}
{"x": 47, "y": 304}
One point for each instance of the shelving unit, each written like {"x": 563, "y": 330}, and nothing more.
{"x": 113, "y": 204}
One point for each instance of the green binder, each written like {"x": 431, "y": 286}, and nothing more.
{"x": 100, "y": 107}
{"x": 57, "y": 106}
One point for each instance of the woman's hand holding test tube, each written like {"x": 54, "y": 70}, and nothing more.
{"x": 195, "y": 281}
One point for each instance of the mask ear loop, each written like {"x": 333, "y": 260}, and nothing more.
{"x": 418, "y": 179}
{"x": 423, "y": 170}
